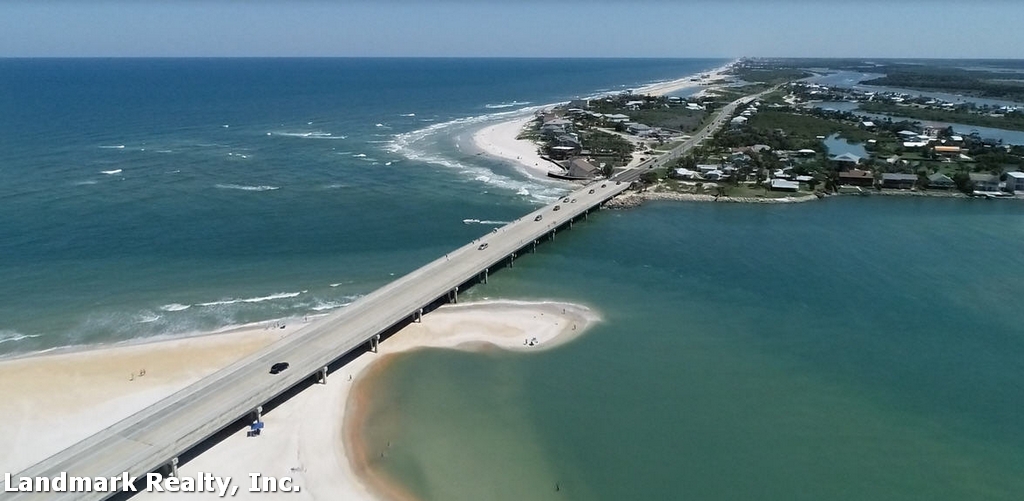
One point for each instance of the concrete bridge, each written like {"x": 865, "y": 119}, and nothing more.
{"x": 156, "y": 437}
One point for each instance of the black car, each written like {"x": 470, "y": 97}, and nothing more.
{"x": 278, "y": 367}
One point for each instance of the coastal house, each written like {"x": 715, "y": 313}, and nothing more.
{"x": 638, "y": 129}
{"x": 581, "y": 168}
{"x": 562, "y": 152}
{"x": 580, "y": 104}
{"x": 738, "y": 121}
{"x": 984, "y": 182}
{"x": 856, "y": 177}
{"x": 705, "y": 168}
{"x": 949, "y": 151}
{"x": 940, "y": 181}
{"x": 616, "y": 117}
{"x": 714, "y": 175}
{"x": 682, "y": 173}
{"x": 1015, "y": 181}
{"x": 898, "y": 181}
{"x": 784, "y": 185}
{"x": 846, "y": 159}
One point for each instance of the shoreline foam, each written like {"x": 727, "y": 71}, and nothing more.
{"x": 53, "y": 400}
{"x": 500, "y": 140}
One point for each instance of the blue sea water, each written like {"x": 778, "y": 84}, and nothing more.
{"x": 143, "y": 197}
{"x": 854, "y": 348}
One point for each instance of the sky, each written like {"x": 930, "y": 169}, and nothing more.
{"x": 522, "y": 28}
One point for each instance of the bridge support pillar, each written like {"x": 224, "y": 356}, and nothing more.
{"x": 570, "y": 224}
{"x": 455, "y": 295}
{"x": 173, "y": 467}
{"x": 512, "y": 260}
{"x": 322, "y": 375}
{"x": 534, "y": 246}
{"x": 375, "y": 343}
{"x": 258, "y": 414}
{"x": 585, "y": 214}
{"x": 486, "y": 272}
{"x": 419, "y": 316}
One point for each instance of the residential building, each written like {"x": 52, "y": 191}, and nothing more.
{"x": 856, "y": 177}
{"x": 1014, "y": 181}
{"x": 784, "y": 185}
{"x": 984, "y": 182}
{"x": 898, "y": 181}
{"x": 940, "y": 181}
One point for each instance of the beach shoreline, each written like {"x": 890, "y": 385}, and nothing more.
{"x": 500, "y": 140}
{"x": 53, "y": 400}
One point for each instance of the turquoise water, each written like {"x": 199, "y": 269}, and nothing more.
{"x": 861, "y": 348}
{"x": 856, "y": 348}
{"x": 161, "y": 197}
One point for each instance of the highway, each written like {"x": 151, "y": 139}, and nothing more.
{"x": 151, "y": 438}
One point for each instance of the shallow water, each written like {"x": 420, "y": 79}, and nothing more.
{"x": 855, "y": 348}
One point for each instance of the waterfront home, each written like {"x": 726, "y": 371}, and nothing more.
{"x": 856, "y": 177}
{"x": 1015, "y": 181}
{"x": 738, "y": 121}
{"x": 581, "y": 168}
{"x": 617, "y": 117}
{"x": 984, "y": 182}
{"x": 682, "y": 173}
{"x": 940, "y": 181}
{"x": 846, "y": 159}
{"x": 714, "y": 175}
{"x": 949, "y": 151}
{"x": 581, "y": 104}
{"x": 898, "y": 181}
{"x": 784, "y": 185}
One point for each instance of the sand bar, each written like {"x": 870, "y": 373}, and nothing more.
{"x": 53, "y": 400}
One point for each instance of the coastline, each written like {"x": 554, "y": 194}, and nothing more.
{"x": 314, "y": 437}
{"x": 500, "y": 140}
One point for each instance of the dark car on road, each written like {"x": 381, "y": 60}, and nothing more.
{"x": 278, "y": 367}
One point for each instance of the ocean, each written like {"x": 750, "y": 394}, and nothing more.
{"x": 162, "y": 197}
{"x": 852, "y": 348}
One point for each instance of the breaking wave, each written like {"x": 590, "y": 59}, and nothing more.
{"x": 420, "y": 145}
{"x": 175, "y": 307}
{"x": 279, "y": 295}
{"x": 512, "y": 104}
{"x": 245, "y": 187}
{"x": 111, "y": 172}
{"x": 307, "y": 135}
{"x": 485, "y": 222}
{"x": 13, "y": 337}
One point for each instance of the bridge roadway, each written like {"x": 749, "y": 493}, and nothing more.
{"x": 149, "y": 439}
{"x": 152, "y": 438}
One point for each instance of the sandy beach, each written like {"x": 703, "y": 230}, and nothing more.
{"x": 51, "y": 401}
{"x": 500, "y": 139}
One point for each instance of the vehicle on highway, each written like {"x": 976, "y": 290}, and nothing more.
{"x": 482, "y": 246}
{"x": 278, "y": 367}
{"x": 572, "y": 201}
{"x": 604, "y": 184}
{"x": 566, "y": 200}
{"x": 539, "y": 217}
{"x": 618, "y": 182}
{"x": 591, "y": 191}
{"x": 557, "y": 207}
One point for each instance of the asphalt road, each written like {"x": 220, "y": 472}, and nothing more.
{"x": 150, "y": 438}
